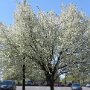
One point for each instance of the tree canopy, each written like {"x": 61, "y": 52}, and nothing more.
{"x": 48, "y": 44}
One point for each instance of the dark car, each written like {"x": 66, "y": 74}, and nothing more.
{"x": 69, "y": 85}
{"x": 76, "y": 86}
{"x": 29, "y": 83}
{"x": 8, "y": 85}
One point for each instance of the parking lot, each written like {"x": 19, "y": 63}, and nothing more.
{"x": 47, "y": 88}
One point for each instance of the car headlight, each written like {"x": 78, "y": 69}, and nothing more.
{"x": 74, "y": 87}
{"x": 2, "y": 86}
{"x": 9, "y": 86}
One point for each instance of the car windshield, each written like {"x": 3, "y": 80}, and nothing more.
{"x": 6, "y": 82}
{"x": 29, "y": 82}
{"x": 76, "y": 84}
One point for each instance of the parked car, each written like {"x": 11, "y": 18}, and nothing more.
{"x": 29, "y": 83}
{"x": 88, "y": 85}
{"x": 69, "y": 85}
{"x": 76, "y": 86}
{"x": 8, "y": 85}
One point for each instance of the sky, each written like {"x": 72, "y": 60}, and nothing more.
{"x": 8, "y": 7}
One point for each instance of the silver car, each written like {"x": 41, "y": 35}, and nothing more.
{"x": 88, "y": 85}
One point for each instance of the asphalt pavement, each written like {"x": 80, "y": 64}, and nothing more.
{"x": 47, "y": 88}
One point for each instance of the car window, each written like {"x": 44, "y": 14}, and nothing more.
{"x": 29, "y": 82}
{"x": 6, "y": 83}
{"x": 76, "y": 84}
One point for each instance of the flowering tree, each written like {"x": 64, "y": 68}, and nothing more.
{"x": 14, "y": 53}
{"x": 78, "y": 53}
{"x": 47, "y": 41}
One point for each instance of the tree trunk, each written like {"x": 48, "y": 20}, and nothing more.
{"x": 23, "y": 86}
{"x": 52, "y": 85}
{"x": 50, "y": 81}
{"x": 83, "y": 80}
{"x": 65, "y": 80}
